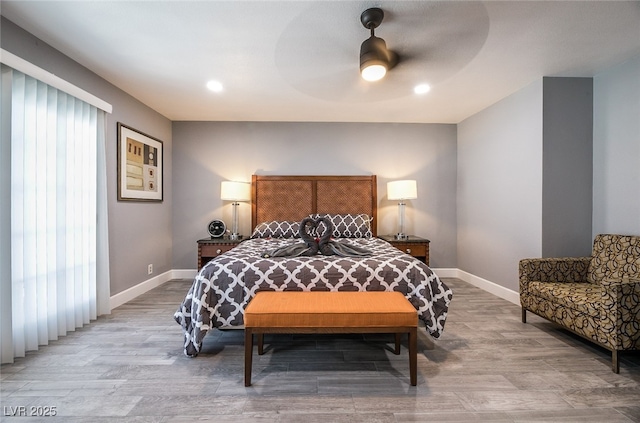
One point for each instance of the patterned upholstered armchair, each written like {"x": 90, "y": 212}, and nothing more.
{"x": 597, "y": 297}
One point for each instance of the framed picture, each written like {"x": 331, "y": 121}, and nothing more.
{"x": 139, "y": 166}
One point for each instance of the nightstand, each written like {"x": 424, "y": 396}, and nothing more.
{"x": 412, "y": 245}
{"x": 209, "y": 248}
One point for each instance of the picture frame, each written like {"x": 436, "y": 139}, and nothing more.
{"x": 140, "y": 166}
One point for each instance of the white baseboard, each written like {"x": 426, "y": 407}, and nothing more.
{"x": 131, "y": 293}
{"x": 149, "y": 284}
{"x": 491, "y": 287}
{"x": 446, "y": 272}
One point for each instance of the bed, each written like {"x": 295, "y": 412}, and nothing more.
{"x": 223, "y": 287}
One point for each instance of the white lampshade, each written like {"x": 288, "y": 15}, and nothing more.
{"x": 235, "y": 191}
{"x": 402, "y": 190}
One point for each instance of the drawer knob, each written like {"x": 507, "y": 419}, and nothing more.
{"x": 218, "y": 251}
{"x": 408, "y": 250}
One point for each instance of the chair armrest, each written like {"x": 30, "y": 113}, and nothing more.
{"x": 564, "y": 269}
{"x": 619, "y": 282}
{"x": 620, "y": 312}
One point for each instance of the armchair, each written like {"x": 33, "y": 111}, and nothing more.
{"x": 596, "y": 297}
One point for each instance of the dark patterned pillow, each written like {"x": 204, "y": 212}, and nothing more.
{"x": 277, "y": 229}
{"x": 347, "y": 225}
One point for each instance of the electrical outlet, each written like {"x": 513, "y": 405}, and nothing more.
{"x": 150, "y": 269}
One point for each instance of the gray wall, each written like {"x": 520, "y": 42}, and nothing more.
{"x": 206, "y": 153}
{"x": 587, "y": 153}
{"x": 139, "y": 234}
{"x": 500, "y": 187}
{"x": 616, "y": 150}
{"x": 567, "y": 160}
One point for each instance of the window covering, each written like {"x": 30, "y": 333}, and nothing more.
{"x": 57, "y": 273}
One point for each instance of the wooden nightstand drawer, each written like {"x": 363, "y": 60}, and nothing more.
{"x": 412, "y": 249}
{"x": 212, "y": 250}
{"x": 412, "y": 245}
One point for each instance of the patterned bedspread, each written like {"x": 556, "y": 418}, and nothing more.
{"x": 224, "y": 286}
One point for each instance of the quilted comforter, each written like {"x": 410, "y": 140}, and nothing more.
{"x": 224, "y": 286}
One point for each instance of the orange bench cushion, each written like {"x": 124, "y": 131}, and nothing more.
{"x": 271, "y": 309}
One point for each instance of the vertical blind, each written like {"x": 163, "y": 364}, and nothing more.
{"x": 58, "y": 275}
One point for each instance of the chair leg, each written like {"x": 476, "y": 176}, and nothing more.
{"x": 615, "y": 364}
{"x": 398, "y": 337}
{"x": 524, "y": 315}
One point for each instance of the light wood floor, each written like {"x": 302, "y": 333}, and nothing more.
{"x": 488, "y": 366}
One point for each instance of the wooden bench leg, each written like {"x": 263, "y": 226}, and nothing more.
{"x": 398, "y": 339}
{"x": 260, "y": 343}
{"x": 248, "y": 353}
{"x": 413, "y": 356}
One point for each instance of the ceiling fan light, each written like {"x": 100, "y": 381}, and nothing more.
{"x": 373, "y": 72}
{"x": 374, "y": 59}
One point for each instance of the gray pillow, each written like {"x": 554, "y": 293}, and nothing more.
{"x": 346, "y": 225}
{"x": 277, "y": 229}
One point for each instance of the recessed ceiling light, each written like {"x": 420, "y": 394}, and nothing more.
{"x": 422, "y": 89}
{"x": 214, "y": 86}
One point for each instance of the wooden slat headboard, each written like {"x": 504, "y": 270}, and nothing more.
{"x": 295, "y": 197}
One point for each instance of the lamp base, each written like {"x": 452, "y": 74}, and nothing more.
{"x": 235, "y": 236}
{"x": 401, "y": 236}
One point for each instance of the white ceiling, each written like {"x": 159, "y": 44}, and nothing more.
{"x": 298, "y": 60}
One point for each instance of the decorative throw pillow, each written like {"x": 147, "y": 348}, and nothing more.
{"x": 277, "y": 229}
{"x": 346, "y": 225}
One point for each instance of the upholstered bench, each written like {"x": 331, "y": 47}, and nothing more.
{"x": 329, "y": 312}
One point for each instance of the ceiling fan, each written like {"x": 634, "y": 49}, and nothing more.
{"x": 428, "y": 42}
{"x": 375, "y": 58}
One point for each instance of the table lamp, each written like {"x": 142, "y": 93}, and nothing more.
{"x": 402, "y": 190}
{"x": 236, "y": 192}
